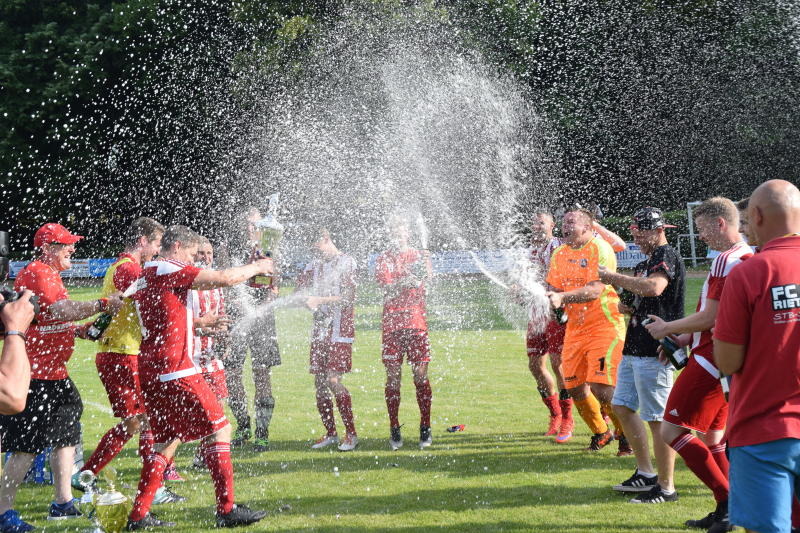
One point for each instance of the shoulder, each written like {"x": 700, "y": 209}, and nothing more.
{"x": 724, "y": 263}
{"x": 346, "y": 262}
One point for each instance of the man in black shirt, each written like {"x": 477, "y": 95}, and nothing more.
{"x": 643, "y": 382}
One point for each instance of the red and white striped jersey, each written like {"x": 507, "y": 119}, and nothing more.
{"x": 203, "y": 303}
{"x": 334, "y": 277}
{"x": 721, "y": 266}
{"x": 540, "y": 255}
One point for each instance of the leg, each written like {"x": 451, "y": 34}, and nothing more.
{"x": 237, "y": 396}
{"x": 343, "y": 401}
{"x": 325, "y": 404}
{"x": 394, "y": 374}
{"x": 112, "y": 443}
{"x": 698, "y": 458}
{"x": 218, "y": 458}
{"x": 589, "y": 408}
{"x": 424, "y": 393}
{"x": 665, "y": 457}
{"x": 62, "y": 461}
{"x": 636, "y": 434}
{"x": 265, "y": 403}
{"x": 713, "y": 439}
{"x": 537, "y": 364}
{"x": 13, "y": 473}
{"x": 152, "y": 477}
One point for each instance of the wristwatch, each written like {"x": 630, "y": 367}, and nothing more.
{"x": 15, "y": 332}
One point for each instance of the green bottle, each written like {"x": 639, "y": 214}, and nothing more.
{"x": 97, "y": 328}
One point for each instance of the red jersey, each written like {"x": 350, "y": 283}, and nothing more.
{"x": 126, "y": 273}
{"x": 760, "y": 309}
{"x": 204, "y": 302}
{"x": 335, "y": 277}
{"x": 164, "y": 301}
{"x": 540, "y": 255}
{"x": 702, "y": 341}
{"x": 50, "y": 342}
{"x": 406, "y": 310}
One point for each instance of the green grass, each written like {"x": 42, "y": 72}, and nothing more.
{"x": 498, "y": 475}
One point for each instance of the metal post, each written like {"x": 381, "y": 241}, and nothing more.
{"x": 689, "y": 206}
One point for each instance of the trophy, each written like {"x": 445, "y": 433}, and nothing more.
{"x": 268, "y": 234}
{"x": 107, "y": 509}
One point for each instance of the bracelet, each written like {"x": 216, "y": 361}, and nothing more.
{"x": 103, "y": 304}
{"x": 15, "y": 332}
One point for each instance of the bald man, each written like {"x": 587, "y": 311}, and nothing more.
{"x": 757, "y": 341}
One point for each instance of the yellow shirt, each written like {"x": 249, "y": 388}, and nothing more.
{"x": 572, "y": 268}
{"x": 124, "y": 333}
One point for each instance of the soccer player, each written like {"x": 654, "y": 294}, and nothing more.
{"x": 551, "y": 340}
{"x": 757, "y": 340}
{"x": 180, "y": 405}
{"x": 595, "y": 331}
{"x": 210, "y": 326}
{"x": 261, "y": 340}
{"x": 117, "y": 356}
{"x": 697, "y": 401}
{"x": 402, "y": 272}
{"x": 330, "y": 278}
{"x": 51, "y": 418}
{"x": 643, "y": 382}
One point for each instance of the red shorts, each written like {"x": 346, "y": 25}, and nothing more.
{"x": 216, "y": 380}
{"x": 120, "y": 376}
{"x": 696, "y": 400}
{"x": 184, "y": 408}
{"x": 551, "y": 340}
{"x": 411, "y": 342}
{"x": 329, "y": 356}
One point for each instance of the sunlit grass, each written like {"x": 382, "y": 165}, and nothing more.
{"x": 498, "y": 475}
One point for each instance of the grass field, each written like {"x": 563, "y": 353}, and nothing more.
{"x": 498, "y": 475}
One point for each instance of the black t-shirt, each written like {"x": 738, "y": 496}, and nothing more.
{"x": 668, "y": 306}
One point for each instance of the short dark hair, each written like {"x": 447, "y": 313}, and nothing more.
{"x": 742, "y": 204}
{"x": 142, "y": 227}
{"x": 543, "y": 211}
{"x": 180, "y": 234}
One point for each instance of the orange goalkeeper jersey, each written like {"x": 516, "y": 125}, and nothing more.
{"x": 572, "y": 268}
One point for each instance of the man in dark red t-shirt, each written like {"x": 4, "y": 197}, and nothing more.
{"x": 51, "y": 418}
{"x": 179, "y": 403}
{"x": 757, "y": 341}
{"x": 401, "y": 272}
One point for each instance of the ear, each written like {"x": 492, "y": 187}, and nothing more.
{"x": 759, "y": 216}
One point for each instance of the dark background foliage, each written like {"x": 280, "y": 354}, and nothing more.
{"x": 114, "y": 109}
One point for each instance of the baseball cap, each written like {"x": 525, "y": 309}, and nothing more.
{"x": 52, "y": 233}
{"x": 649, "y": 218}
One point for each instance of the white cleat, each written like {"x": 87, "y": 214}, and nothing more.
{"x": 324, "y": 442}
{"x": 349, "y": 443}
{"x": 425, "y": 437}
{"x": 395, "y": 438}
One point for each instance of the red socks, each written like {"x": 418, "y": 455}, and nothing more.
{"x": 218, "y": 459}
{"x": 345, "y": 405}
{"x": 146, "y": 442}
{"x": 325, "y": 408}
{"x": 392, "y": 395}
{"x": 424, "y": 396}
{"x": 718, "y": 453}
{"x": 566, "y": 409}
{"x": 149, "y": 482}
{"x": 700, "y": 460}
{"x": 553, "y": 405}
{"x": 108, "y": 448}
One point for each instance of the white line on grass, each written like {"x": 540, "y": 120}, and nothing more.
{"x": 100, "y": 407}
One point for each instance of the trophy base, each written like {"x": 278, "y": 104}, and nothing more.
{"x": 261, "y": 282}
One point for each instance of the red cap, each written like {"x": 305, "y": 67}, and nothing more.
{"x": 52, "y": 233}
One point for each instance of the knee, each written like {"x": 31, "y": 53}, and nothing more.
{"x": 133, "y": 425}
{"x": 621, "y": 411}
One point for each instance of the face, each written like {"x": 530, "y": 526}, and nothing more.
{"x": 744, "y": 227}
{"x": 205, "y": 254}
{"x": 711, "y": 231}
{"x": 646, "y": 239}
{"x": 185, "y": 253}
{"x": 151, "y": 248}
{"x": 400, "y": 234}
{"x": 59, "y": 256}
{"x": 575, "y": 227}
{"x": 542, "y": 227}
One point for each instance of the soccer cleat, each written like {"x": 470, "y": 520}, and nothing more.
{"x": 554, "y": 427}
{"x": 600, "y": 441}
{"x": 425, "y": 437}
{"x": 64, "y": 511}
{"x": 324, "y": 442}
{"x": 655, "y": 495}
{"x": 148, "y": 522}
{"x": 260, "y": 444}
{"x": 198, "y": 463}
{"x": 240, "y": 436}
{"x": 395, "y": 438}
{"x": 624, "y": 447}
{"x": 349, "y": 443}
{"x": 171, "y": 474}
{"x": 721, "y": 522}
{"x": 165, "y": 495}
{"x": 10, "y": 522}
{"x": 637, "y": 483}
{"x": 240, "y": 515}
{"x": 565, "y": 432}
{"x": 704, "y": 523}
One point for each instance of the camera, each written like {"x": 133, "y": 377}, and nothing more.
{"x": 10, "y": 295}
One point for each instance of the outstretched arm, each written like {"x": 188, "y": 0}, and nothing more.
{"x": 215, "y": 279}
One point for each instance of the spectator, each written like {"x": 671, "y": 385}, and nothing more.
{"x": 643, "y": 382}
{"x": 757, "y": 341}
{"x": 15, "y": 369}
{"x": 51, "y": 418}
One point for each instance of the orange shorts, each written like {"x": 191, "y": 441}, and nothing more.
{"x": 589, "y": 358}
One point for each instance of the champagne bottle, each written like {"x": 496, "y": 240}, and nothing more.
{"x": 676, "y": 354}
{"x": 97, "y": 328}
{"x": 560, "y": 315}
